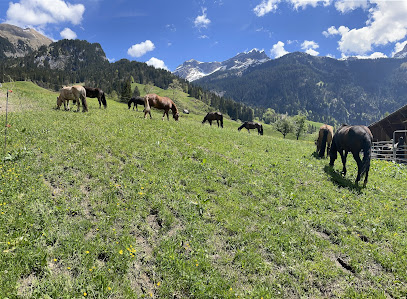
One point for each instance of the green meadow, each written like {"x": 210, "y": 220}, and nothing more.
{"x": 107, "y": 204}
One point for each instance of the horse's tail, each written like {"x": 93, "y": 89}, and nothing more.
{"x": 146, "y": 104}
{"x": 84, "y": 103}
{"x": 367, "y": 154}
{"x": 333, "y": 152}
{"x": 103, "y": 98}
{"x": 147, "y": 108}
{"x": 323, "y": 144}
{"x": 261, "y": 129}
{"x": 221, "y": 120}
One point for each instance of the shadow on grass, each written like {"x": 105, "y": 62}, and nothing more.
{"x": 338, "y": 179}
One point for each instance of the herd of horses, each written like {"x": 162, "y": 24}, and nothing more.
{"x": 354, "y": 139}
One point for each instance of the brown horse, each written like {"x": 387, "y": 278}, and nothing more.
{"x": 163, "y": 103}
{"x": 353, "y": 139}
{"x": 214, "y": 116}
{"x": 252, "y": 125}
{"x": 326, "y": 132}
{"x": 73, "y": 93}
{"x": 96, "y": 93}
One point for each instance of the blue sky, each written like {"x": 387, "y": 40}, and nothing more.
{"x": 166, "y": 33}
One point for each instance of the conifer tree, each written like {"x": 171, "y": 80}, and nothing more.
{"x": 136, "y": 92}
{"x": 126, "y": 92}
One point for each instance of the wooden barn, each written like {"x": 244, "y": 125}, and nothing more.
{"x": 383, "y": 129}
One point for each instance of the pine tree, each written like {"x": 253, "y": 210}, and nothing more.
{"x": 126, "y": 92}
{"x": 136, "y": 92}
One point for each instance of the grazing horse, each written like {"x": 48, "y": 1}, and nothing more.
{"x": 73, "y": 93}
{"x": 325, "y": 135}
{"x": 353, "y": 139}
{"x": 252, "y": 125}
{"x": 163, "y": 103}
{"x": 136, "y": 101}
{"x": 214, "y": 116}
{"x": 96, "y": 93}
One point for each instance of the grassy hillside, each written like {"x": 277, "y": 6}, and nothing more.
{"x": 106, "y": 204}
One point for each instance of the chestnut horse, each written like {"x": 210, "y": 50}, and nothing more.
{"x": 96, "y": 93}
{"x": 353, "y": 139}
{"x": 252, "y": 125}
{"x": 73, "y": 93}
{"x": 326, "y": 132}
{"x": 214, "y": 116}
{"x": 136, "y": 101}
{"x": 163, "y": 103}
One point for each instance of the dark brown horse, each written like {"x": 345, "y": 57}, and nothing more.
{"x": 163, "y": 103}
{"x": 214, "y": 116}
{"x": 136, "y": 101}
{"x": 353, "y": 139}
{"x": 325, "y": 135}
{"x": 96, "y": 93}
{"x": 252, "y": 125}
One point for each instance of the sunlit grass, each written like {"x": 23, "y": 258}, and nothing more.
{"x": 107, "y": 204}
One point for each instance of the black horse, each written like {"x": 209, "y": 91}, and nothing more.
{"x": 136, "y": 101}
{"x": 214, "y": 116}
{"x": 252, "y": 125}
{"x": 96, "y": 93}
{"x": 353, "y": 139}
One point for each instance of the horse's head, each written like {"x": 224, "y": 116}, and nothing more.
{"x": 175, "y": 116}
{"x": 59, "y": 102}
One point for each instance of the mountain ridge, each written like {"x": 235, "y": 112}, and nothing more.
{"x": 193, "y": 70}
{"x": 18, "y": 42}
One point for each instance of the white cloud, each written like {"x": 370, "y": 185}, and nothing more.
{"x": 345, "y": 6}
{"x": 387, "y": 23}
{"x": 140, "y": 49}
{"x": 333, "y": 31}
{"x": 278, "y": 50}
{"x": 304, "y": 3}
{"x": 371, "y": 56}
{"x": 42, "y": 12}
{"x": 202, "y": 21}
{"x": 310, "y": 47}
{"x": 265, "y": 7}
{"x": 157, "y": 63}
{"x": 398, "y": 47}
{"x": 68, "y": 34}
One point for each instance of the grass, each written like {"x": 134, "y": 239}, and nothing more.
{"x": 106, "y": 204}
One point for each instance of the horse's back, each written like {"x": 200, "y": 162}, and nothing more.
{"x": 66, "y": 93}
{"x": 353, "y": 138}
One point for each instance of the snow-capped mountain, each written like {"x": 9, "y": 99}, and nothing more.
{"x": 402, "y": 53}
{"x": 192, "y": 70}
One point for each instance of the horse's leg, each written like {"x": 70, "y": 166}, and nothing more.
{"x": 344, "y": 155}
{"x": 366, "y": 175}
{"x": 210, "y": 122}
{"x": 100, "y": 103}
{"x": 136, "y": 107}
{"x": 359, "y": 163}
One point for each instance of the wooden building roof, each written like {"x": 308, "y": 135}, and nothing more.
{"x": 383, "y": 129}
